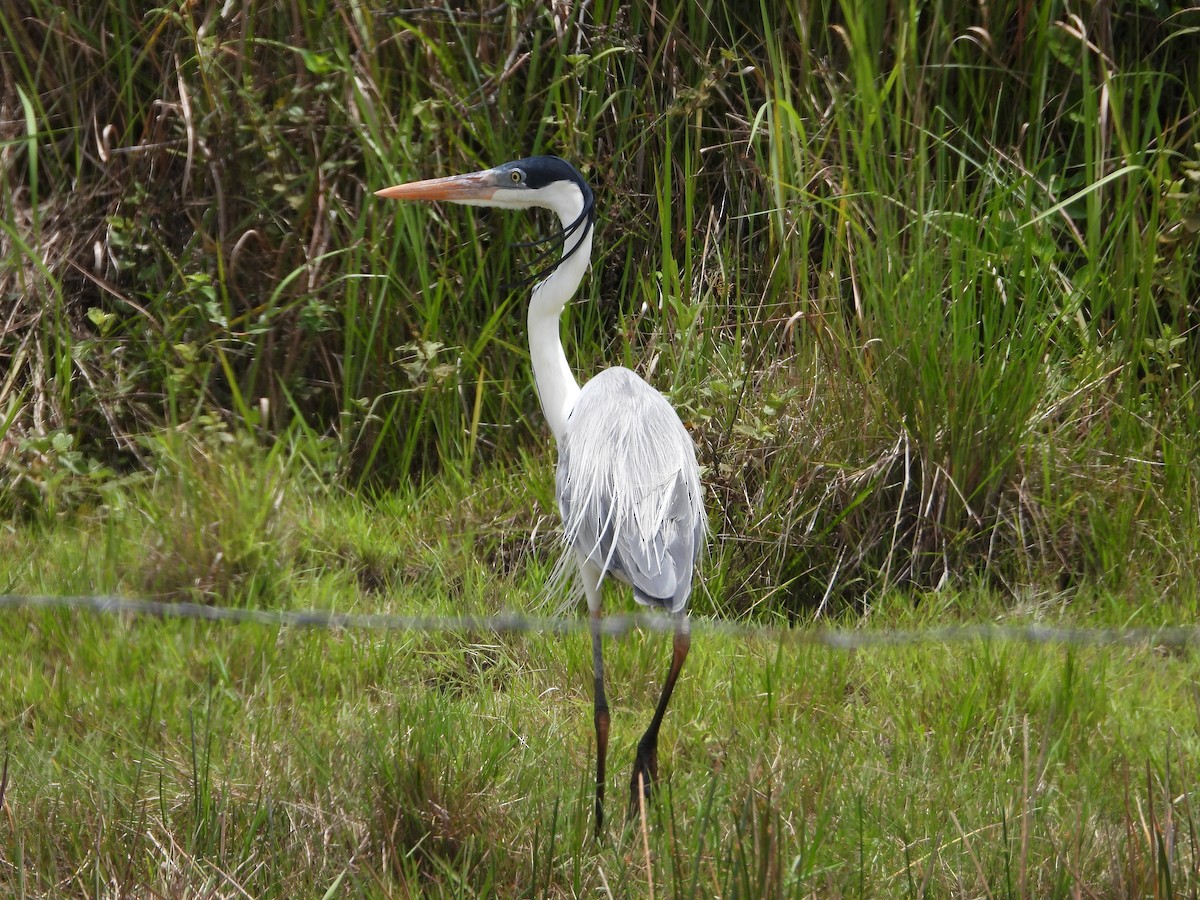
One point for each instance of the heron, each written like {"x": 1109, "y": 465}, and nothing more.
{"x": 627, "y": 481}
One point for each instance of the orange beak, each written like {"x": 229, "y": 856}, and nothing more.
{"x": 458, "y": 188}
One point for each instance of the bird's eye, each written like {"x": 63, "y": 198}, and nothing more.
{"x": 517, "y": 176}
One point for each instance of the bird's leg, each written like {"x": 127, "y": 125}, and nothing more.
{"x": 590, "y": 576}
{"x": 601, "y": 720}
{"x": 645, "y": 763}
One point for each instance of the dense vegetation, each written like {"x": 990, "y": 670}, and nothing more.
{"x": 921, "y": 279}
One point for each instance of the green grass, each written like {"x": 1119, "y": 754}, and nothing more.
{"x": 173, "y": 756}
{"x": 920, "y": 279}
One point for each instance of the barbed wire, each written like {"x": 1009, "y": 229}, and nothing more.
{"x": 617, "y": 626}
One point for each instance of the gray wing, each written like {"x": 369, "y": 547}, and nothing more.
{"x": 628, "y": 487}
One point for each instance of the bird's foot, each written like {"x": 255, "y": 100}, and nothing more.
{"x": 645, "y": 775}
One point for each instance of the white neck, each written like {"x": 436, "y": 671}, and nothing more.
{"x": 556, "y": 385}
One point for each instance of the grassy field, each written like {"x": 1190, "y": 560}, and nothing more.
{"x": 921, "y": 280}
{"x": 182, "y": 758}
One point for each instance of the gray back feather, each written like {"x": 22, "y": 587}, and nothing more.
{"x": 628, "y": 487}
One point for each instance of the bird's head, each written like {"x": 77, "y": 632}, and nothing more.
{"x": 538, "y": 181}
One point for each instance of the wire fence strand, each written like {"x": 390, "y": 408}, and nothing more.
{"x": 618, "y": 626}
